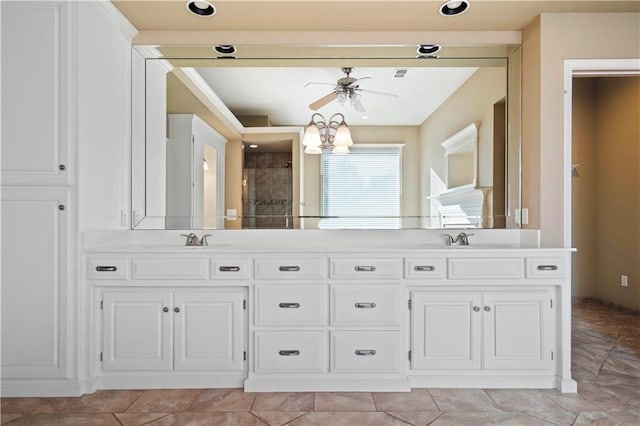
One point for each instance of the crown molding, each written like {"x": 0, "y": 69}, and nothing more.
{"x": 126, "y": 28}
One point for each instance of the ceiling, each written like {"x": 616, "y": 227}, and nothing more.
{"x": 352, "y": 15}
{"x": 281, "y": 94}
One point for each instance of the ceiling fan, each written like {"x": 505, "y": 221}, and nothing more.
{"x": 345, "y": 88}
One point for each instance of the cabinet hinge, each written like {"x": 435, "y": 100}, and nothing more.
{"x": 409, "y": 355}
{"x": 244, "y": 305}
{"x": 100, "y": 356}
{"x": 551, "y": 355}
{"x": 409, "y": 303}
{"x": 551, "y": 303}
{"x": 244, "y": 355}
{"x": 102, "y": 304}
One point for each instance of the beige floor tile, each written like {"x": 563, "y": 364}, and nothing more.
{"x": 590, "y": 397}
{"x": 522, "y": 399}
{"x": 463, "y": 400}
{"x": 278, "y": 418}
{"x": 622, "y": 363}
{"x": 164, "y": 401}
{"x": 344, "y": 401}
{"x": 6, "y": 418}
{"x": 102, "y": 401}
{"x": 416, "y": 418}
{"x": 284, "y": 401}
{"x": 137, "y": 419}
{"x": 223, "y": 400}
{"x": 416, "y": 400}
{"x": 29, "y": 405}
{"x": 209, "y": 419}
{"x": 560, "y": 418}
{"x": 493, "y": 418}
{"x": 613, "y": 418}
{"x": 66, "y": 419}
{"x": 347, "y": 418}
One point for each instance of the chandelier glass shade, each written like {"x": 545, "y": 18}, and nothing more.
{"x": 321, "y": 134}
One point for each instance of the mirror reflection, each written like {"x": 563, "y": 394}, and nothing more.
{"x": 326, "y": 144}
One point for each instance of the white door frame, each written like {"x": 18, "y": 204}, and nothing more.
{"x": 584, "y": 68}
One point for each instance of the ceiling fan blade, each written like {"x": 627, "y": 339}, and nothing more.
{"x": 318, "y": 83}
{"x": 356, "y": 103}
{"x": 375, "y": 92}
{"x": 355, "y": 83}
{"x": 323, "y": 101}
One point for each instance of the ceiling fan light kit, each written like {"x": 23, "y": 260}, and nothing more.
{"x": 454, "y": 7}
{"x": 321, "y": 134}
{"x": 201, "y": 8}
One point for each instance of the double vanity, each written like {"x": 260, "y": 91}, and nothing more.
{"x": 328, "y": 311}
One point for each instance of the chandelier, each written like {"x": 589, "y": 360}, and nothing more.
{"x": 321, "y": 134}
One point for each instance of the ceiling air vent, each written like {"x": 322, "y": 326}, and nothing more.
{"x": 400, "y": 73}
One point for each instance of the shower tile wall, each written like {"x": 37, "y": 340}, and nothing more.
{"x": 268, "y": 190}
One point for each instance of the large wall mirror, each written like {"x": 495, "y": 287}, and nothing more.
{"x": 219, "y": 137}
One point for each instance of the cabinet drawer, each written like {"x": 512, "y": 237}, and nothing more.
{"x": 290, "y": 304}
{"x": 158, "y": 268}
{"x": 290, "y": 351}
{"x": 365, "y": 305}
{"x": 358, "y": 351}
{"x": 231, "y": 268}
{"x": 291, "y": 267}
{"x": 424, "y": 268}
{"x": 545, "y": 267}
{"x": 366, "y": 268}
{"x": 465, "y": 268}
{"x": 107, "y": 268}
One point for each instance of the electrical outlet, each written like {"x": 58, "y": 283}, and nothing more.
{"x": 516, "y": 216}
{"x": 624, "y": 280}
{"x": 525, "y": 216}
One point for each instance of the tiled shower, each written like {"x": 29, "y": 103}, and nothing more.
{"x": 267, "y": 190}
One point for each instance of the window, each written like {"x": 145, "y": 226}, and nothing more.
{"x": 362, "y": 189}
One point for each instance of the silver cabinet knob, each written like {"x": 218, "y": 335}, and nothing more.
{"x": 289, "y": 352}
{"x": 476, "y": 308}
{"x": 487, "y": 308}
{"x": 165, "y": 309}
{"x": 176, "y": 309}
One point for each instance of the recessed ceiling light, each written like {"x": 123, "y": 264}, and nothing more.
{"x": 254, "y": 146}
{"x": 201, "y": 8}
{"x": 428, "y": 49}
{"x": 454, "y": 7}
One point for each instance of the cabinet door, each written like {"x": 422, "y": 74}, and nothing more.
{"x": 136, "y": 331}
{"x": 208, "y": 331}
{"x": 518, "y": 331}
{"x": 36, "y": 89}
{"x": 446, "y": 330}
{"x": 35, "y": 283}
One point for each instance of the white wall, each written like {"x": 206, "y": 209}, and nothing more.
{"x": 104, "y": 116}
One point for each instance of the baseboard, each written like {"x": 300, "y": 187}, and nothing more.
{"x": 581, "y": 299}
{"x": 169, "y": 381}
{"x": 484, "y": 382}
{"x": 47, "y": 388}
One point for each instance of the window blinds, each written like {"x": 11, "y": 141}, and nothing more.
{"x": 361, "y": 189}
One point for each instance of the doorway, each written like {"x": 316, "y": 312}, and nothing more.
{"x": 605, "y": 187}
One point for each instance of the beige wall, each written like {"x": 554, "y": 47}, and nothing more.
{"x": 472, "y": 103}
{"x": 407, "y": 135}
{"x": 547, "y": 42}
{"x": 618, "y": 189}
{"x": 233, "y": 182}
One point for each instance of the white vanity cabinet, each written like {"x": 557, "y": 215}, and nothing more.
{"x": 157, "y": 330}
{"x": 491, "y": 330}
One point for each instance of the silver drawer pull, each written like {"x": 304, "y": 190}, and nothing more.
{"x": 293, "y": 352}
{"x": 289, "y": 305}
{"x": 547, "y": 267}
{"x": 424, "y": 268}
{"x": 365, "y": 268}
{"x": 365, "y": 305}
{"x": 106, "y": 268}
{"x": 365, "y": 352}
{"x": 289, "y": 268}
{"x": 229, "y": 269}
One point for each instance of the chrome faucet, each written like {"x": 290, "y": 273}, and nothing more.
{"x": 461, "y": 240}
{"x": 193, "y": 241}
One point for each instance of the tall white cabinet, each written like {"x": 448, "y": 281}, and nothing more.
{"x": 38, "y": 197}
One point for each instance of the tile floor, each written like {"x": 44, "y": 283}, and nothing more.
{"x": 606, "y": 364}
